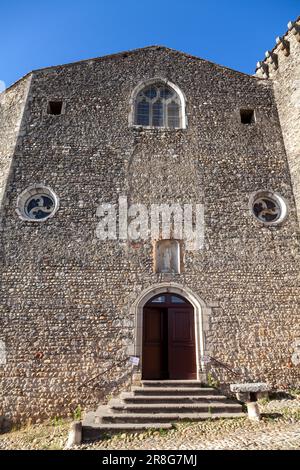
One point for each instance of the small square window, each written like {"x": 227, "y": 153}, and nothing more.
{"x": 247, "y": 116}
{"x": 55, "y": 108}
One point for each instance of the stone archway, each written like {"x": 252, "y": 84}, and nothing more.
{"x": 201, "y": 315}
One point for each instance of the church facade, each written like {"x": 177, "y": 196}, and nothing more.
{"x": 91, "y": 155}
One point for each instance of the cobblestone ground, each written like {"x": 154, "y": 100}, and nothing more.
{"x": 279, "y": 429}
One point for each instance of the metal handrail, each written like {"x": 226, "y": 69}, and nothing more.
{"x": 237, "y": 374}
{"x": 103, "y": 372}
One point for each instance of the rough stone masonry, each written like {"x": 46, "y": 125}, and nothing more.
{"x": 69, "y": 302}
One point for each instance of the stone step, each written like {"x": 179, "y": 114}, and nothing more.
{"x": 157, "y": 405}
{"x": 174, "y": 391}
{"x": 129, "y": 397}
{"x": 119, "y": 406}
{"x": 93, "y": 432}
{"x": 148, "y": 418}
{"x": 171, "y": 383}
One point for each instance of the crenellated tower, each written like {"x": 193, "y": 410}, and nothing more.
{"x": 282, "y": 66}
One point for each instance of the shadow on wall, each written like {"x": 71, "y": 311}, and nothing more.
{"x": 99, "y": 389}
{"x": 94, "y": 392}
{"x": 5, "y": 424}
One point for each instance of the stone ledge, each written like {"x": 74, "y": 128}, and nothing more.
{"x": 254, "y": 387}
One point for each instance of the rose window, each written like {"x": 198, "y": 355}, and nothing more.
{"x": 266, "y": 210}
{"x": 269, "y": 208}
{"x": 39, "y": 207}
{"x": 37, "y": 203}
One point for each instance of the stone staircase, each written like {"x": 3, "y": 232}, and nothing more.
{"x": 157, "y": 405}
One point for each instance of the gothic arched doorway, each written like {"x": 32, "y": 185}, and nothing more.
{"x": 169, "y": 349}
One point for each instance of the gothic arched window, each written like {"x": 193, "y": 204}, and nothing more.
{"x": 158, "y": 105}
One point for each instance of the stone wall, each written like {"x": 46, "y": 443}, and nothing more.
{"x": 282, "y": 66}
{"x": 12, "y": 104}
{"x": 68, "y": 298}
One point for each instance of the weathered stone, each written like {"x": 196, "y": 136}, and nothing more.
{"x": 253, "y": 411}
{"x": 286, "y": 80}
{"x": 68, "y": 301}
{"x": 250, "y": 387}
{"x": 75, "y": 435}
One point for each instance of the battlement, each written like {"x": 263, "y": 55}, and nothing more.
{"x": 287, "y": 47}
{"x": 282, "y": 66}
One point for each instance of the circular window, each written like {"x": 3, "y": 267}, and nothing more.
{"x": 268, "y": 208}
{"x": 37, "y": 203}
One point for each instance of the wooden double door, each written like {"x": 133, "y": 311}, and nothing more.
{"x": 169, "y": 350}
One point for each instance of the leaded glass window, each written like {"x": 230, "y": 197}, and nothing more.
{"x": 173, "y": 114}
{"x": 39, "y": 207}
{"x": 159, "y": 300}
{"x": 37, "y": 203}
{"x": 177, "y": 300}
{"x": 143, "y": 109}
{"x": 170, "y": 300}
{"x": 158, "y": 106}
{"x": 268, "y": 207}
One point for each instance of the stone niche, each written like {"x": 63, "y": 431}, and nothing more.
{"x": 2, "y": 353}
{"x": 167, "y": 256}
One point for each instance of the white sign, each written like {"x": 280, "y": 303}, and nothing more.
{"x": 134, "y": 360}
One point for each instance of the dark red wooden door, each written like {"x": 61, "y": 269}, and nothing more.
{"x": 169, "y": 350}
{"x": 181, "y": 341}
{"x": 155, "y": 349}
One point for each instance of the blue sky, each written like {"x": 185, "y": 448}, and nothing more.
{"x": 234, "y": 33}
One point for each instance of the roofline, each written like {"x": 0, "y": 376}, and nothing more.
{"x": 128, "y": 52}
{"x": 16, "y": 82}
